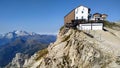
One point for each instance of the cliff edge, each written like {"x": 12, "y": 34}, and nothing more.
{"x": 79, "y": 49}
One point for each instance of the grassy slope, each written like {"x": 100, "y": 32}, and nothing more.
{"x": 112, "y": 25}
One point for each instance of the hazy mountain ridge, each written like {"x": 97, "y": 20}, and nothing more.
{"x": 22, "y": 42}
{"x": 9, "y": 37}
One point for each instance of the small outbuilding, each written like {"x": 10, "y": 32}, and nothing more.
{"x": 90, "y": 26}
{"x": 98, "y": 16}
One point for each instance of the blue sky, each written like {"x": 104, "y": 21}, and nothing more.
{"x": 47, "y": 16}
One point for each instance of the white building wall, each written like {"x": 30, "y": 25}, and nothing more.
{"x": 81, "y": 13}
{"x": 94, "y": 26}
{"x": 97, "y": 26}
{"x": 84, "y": 27}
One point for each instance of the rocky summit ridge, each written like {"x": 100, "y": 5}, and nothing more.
{"x": 76, "y": 49}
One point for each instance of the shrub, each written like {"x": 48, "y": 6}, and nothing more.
{"x": 61, "y": 28}
{"x": 41, "y": 54}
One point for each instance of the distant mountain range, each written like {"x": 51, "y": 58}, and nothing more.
{"x": 8, "y": 37}
{"x": 21, "y": 42}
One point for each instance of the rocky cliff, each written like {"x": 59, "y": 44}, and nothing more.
{"x": 79, "y": 49}
{"x": 18, "y": 61}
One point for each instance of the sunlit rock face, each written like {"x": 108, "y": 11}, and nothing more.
{"x": 18, "y": 61}
{"x": 76, "y": 49}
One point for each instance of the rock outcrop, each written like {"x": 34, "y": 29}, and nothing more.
{"x": 18, "y": 61}
{"x": 75, "y": 49}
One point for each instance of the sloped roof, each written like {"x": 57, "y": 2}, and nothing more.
{"x": 83, "y": 6}
{"x": 96, "y": 14}
{"x": 105, "y": 14}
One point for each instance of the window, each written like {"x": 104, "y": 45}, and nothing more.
{"x": 76, "y": 11}
{"x": 76, "y": 17}
{"x": 82, "y": 17}
{"x": 82, "y": 12}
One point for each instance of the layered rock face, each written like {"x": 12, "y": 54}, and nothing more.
{"x": 74, "y": 49}
{"x": 18, "y": 61}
